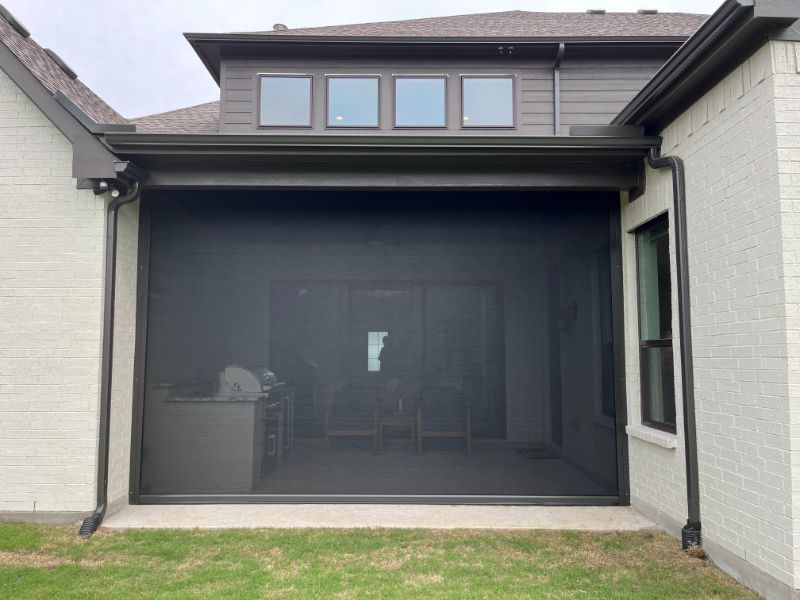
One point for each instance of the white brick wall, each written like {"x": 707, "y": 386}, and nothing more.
{"x": 124, "y": 345}
{"x": 51, "y": 282}
{"x": 656, "y": 459}
{"x": 745, "y": 288}
{"x": 786, "y": 85}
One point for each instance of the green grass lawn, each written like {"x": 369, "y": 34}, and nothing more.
{"x": 51, "y": 562}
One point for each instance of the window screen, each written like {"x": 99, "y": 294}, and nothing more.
{"x": 353, "y": 344}
{"x": 285, "y": 101}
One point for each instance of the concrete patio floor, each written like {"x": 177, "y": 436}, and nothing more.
{"x": 218, "y": 516}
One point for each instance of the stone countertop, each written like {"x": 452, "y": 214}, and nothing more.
{"x": 242, "y": 398}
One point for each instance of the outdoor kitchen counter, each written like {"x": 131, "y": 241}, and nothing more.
{"x": 204, "y": 443}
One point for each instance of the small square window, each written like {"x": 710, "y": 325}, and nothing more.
{"x": 285, "y": 101}
{"x": 487, "y": 101}
{"x": 353, "y": 101}
{"x": 420, "y": 101}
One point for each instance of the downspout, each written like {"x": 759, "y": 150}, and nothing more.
{"x": 690, "y": 534}
{"x": 557, "y": 89}
{"x": 92, "y": 522}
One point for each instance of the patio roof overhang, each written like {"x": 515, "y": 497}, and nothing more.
{"x": 607, "y": 162}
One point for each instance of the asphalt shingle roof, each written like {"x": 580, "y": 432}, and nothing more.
{"x": 519, "y": 23}
{"x": 202, "y": 118}
{"x": 53, "y": 77}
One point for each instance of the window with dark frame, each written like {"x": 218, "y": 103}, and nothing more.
{"x": 353, "y": 101}
{"x": 420, "y": 101}
{"x": 487, "y": 101}
{"x": 374, "y": 347}
{"x": 285, "y": 101}
{"x": 655, "y": 325}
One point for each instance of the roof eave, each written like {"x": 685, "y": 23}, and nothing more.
{"x": 209, "y": 46}
{"x": 91, "y": 159}
{"x": 729, "y": 36}
{"x": 265, "y": 38}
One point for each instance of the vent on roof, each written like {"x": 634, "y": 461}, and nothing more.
{"x": 64, "y": 66}
{"x": 596, "y": 11}
{"x": 279, "y": 27}
{"x": 647, "y": 11}
{"x": 15, "y": 24}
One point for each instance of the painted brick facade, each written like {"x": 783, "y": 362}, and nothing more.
{"x": 124, "y": 346}
{"x": 786, "y": 85}
{"x": 51, "y": 282}
{"x": 743, "y": 253}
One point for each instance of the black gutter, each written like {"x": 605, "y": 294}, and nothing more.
{"x": 151, "y": 143}
{"x": 691, "y": 532}
{"x": 729, "y": 36}
{"x": 557, "y": 89}
{"x": 92, "y": 522}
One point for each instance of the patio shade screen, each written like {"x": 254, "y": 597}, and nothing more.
{"x": 379, "y": 344}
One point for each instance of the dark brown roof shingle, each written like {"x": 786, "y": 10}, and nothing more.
{"x": 202, "y": 118}
{"x": 53, "y": 77}
{"x": 519, "y": 23}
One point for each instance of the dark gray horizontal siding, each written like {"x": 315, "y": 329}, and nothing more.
{"x": 537, "y": 101}
{"x": 593, "y": 92}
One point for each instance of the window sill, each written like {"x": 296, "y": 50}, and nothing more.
{"x": 653, "y": 436}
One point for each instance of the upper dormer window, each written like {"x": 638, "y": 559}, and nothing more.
{"x": 420, "y": 101}
{"x": 285, "y": 101}
{"x": 353, "y": 100}
{"x": 487, "y": 101}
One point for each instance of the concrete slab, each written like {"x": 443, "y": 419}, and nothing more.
{"x": 219, "y": 516}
